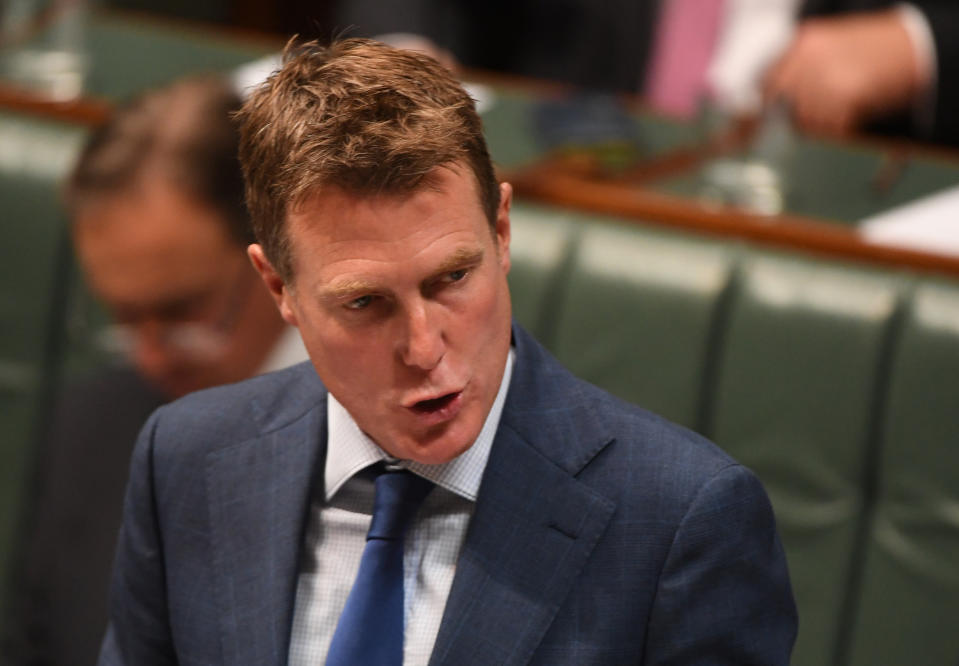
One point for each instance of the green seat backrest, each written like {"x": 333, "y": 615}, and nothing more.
{"x": 794, "y": 397}
{"x": 539, "y": 254}
{"x": 908, "y": 611}
{"x": 129, "y": 54}
{"x": 34, "y": 156}
{"x": 639, "y": 312}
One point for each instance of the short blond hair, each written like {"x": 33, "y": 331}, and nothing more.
{"x": 360, "y": 116}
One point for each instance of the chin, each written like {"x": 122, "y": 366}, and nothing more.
{"x": 440, "y": 449}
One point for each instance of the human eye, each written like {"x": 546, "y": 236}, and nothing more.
{"x": 447, "y": 280}
{"x": 456, "y": 276}
{"x": 359, "y": 303}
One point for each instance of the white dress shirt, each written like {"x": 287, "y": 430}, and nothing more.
{"x": 339, "y": 519}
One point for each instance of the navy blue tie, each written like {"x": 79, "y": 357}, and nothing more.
{"x": 370, "y": 629}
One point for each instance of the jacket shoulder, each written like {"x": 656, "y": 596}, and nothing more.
{"x": 624, "y": 452}
{"x": 224, "y": 415}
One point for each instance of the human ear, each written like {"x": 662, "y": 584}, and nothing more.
{"x": 275, "y": 284}
{"x": 503, "y": 224}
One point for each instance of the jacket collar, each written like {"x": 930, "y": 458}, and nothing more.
{"x": 260, "y": 493}
{"x": 532, "y": 531}
{"x": 535, "y": 524}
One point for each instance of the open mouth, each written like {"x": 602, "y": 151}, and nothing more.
{"x": 435, "y": 404}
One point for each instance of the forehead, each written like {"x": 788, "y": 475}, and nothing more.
{"x": 151, "y": 243}
{"x": 334, "y": 223}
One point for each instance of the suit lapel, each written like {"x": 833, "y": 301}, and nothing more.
{"x": 260, "y": 493}
{"x": 534, "y": 526}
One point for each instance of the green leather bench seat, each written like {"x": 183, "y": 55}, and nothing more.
{"x": 908, "y": 609}
{"x": 794, "y": 400}
{"x": 633, "y": 323}
{"x": 540, "y": 250}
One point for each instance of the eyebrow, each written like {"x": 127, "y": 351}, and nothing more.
{"x": 344, "y": 289}
{"x": 465, "y": 256}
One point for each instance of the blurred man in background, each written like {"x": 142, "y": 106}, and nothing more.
{"x": 841, "y": 65}
{"x": 160, "y": 230}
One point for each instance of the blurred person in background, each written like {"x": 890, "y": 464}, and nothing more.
{"x": 663, "y": 50}
{"x": 160, "y": 230}
{"x": 842, "y": 65}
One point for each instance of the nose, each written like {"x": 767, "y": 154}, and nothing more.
{"x": 424, "y": 344}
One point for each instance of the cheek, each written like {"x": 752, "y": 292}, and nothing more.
{"x": 487, "y": 319}
{"x": 348, "y": 363}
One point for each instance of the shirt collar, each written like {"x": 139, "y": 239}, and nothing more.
{"x": 350, "y": 450}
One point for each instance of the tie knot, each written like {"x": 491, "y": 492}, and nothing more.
{"x": 399, "y": 494}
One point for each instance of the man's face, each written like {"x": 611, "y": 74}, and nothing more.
{"x": 191, "y": 311}
{"x": 404, "y": 308}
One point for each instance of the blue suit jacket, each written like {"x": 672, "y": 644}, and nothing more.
{"x": 602, "y": 534}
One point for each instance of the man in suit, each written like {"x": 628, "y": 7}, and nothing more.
{"x": 564, "y": 526}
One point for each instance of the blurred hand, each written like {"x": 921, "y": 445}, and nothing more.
{"x": 841, "y": 72}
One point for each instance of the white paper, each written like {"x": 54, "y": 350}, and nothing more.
{"x": 929, "y": 224}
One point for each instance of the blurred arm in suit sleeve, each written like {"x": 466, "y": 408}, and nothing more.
{"x": 846, "y": 71}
